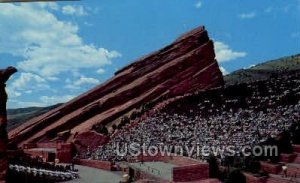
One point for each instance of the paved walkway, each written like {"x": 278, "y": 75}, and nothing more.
{"x": 93, "y": 175}
{"x": 287, "y": 179}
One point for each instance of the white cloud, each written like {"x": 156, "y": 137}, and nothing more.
{"x": 28, "y": 92}
{"x": 100, "y": 71}
{"x": 13, "y": 93}
{"x": 49, "y": 46}
{"x": 86, "y": 80}
{"x": 51, "y": 100}
{"x": 224, "y": 71}
{"x": 250, "y": 66}
{"x": 25, "y": 79}
{"x": 80, "y": 82}
{"x": 74, "y": 10}
{"x": 50, "y": 5}
{"x": 198, "y": 4}
{"x": 224, "y": 53}
{"x": 247, "y": 15}
{"x": 26, "y": 82}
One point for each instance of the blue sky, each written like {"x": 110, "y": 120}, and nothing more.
{"x": 64, "y": 49}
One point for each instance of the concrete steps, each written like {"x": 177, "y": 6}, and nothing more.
{"x": 279, "y": 179}
{"x": 270, "y": 167}
{"x": 293, "y": 170}
{"x": 292, "y": 161}
{"x": 288, "y": 158}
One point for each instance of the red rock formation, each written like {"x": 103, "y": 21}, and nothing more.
{"x": 89, "y": 140}
{"x": 4, "y": 76}
{"x": 187, "y": 65}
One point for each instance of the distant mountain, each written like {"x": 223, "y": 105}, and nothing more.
{"x": 264, "y": 71}
{"x": 17, "y": 117}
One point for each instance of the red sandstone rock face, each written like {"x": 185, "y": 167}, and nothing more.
{"x": 5, "y": 74}
{"x": 187, "y": 65}
{"x": 89, "y": 139}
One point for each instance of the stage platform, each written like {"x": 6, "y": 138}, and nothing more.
{"x": 157, "y": 169}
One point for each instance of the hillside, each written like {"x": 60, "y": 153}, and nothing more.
{"x": 265, "y": 70}
{"x": 17, "y": 117}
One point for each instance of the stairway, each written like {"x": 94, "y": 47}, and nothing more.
{"x": 292, "y": 161}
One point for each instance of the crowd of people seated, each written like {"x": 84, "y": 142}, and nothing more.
{"x": 243, "y": 115}
{"x": 34, "y": 170}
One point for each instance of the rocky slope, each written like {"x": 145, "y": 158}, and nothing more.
{"x": 186, "y": 65}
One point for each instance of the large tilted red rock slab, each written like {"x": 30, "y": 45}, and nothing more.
{"x": 187, "y": 65}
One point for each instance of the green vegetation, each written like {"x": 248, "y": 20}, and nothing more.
{"x": 265, "y": 70}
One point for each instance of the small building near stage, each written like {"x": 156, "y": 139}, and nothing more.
{"x": 50, "y": 152}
